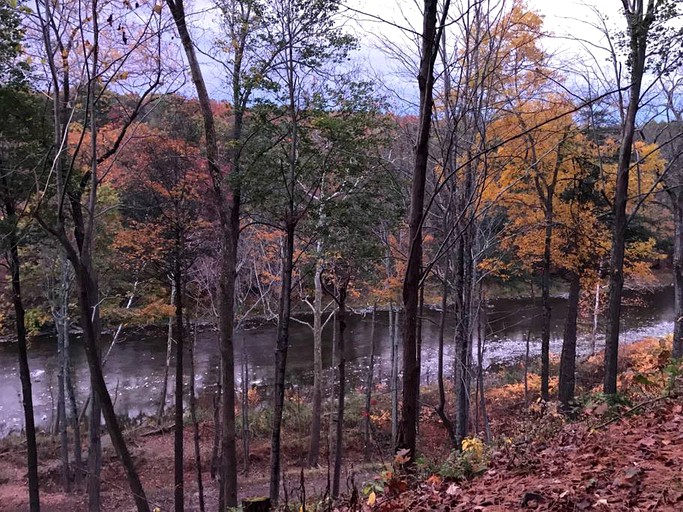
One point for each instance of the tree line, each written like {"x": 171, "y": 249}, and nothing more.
{"x": 130, "y": 194}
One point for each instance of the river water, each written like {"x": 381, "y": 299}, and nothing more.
{"x": 135, "y": 369}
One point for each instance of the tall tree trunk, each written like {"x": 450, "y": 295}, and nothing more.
{"x": 441, "y": 407}
{"x": 568, "y": 357}
{"x": 61, "y": 407}
{"x": 406, "y": 438}
{"x": 90, "y": 322}
{"x": 545, "y": 302}
{"x": 228, "y": 204}
{"x": 24, "y": 372}
{"x": 167, "y": 367}
{"x": 245, "y": 407}
{"x": 463, "y": 339}
{"x": 596, "y": 314}
{"x": 339, "y": 442}
{"x": 73, "y": 408}
{"x": 368, "y": 386}
{"x": 178, "y": 448}
{"x": 94, "y": 452}
{"x": 677, "y": 201}
{"x": 314, "y": 448}
{"x": 195, "y": 422}
{"x": 393, "y": 378}
{"x": 638, "y": 27}
{"x": 418, "y": 351}
{"x": 281, "y": 360}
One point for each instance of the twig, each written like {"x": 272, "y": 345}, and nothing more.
{"x": 632, "y": 409}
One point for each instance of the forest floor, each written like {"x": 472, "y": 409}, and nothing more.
{"x": 623, "y": 454}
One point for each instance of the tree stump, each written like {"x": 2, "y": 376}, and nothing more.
{"x": 257, "y": 504}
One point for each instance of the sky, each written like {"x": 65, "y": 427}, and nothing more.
{"x": 567, "y": 20}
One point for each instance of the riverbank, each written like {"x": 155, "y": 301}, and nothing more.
{"x": 644, "y": 374}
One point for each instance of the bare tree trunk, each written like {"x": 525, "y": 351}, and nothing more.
{"x": 639, "y": 22}
{"x": 94, "y": 453}
{"x": 407, "y": 433}
{"x": 677, "y": 201}
{"x": 418, "y": 352}
{"x": 61, "y": 407}
{"x": 393, "y": 379}
{"x": 596, "y": 314}
{"x": 228, "y": 204}
{"x": 568, "y": 357}
{"x": 245, "y": 407}
{"x": 195, "y": 422}
{"x": 314, "y": 448}
{"x": 178, "y": 448}
{"x": 73, "y": 409}
{"x": 481, "y": 341}
{"x": 169, "y": 350}
{"x": 24, "y": 372}
{"x": 441, "y": 408}
{"x": 339, "y": 442}
{"x": 368, "y": 385}
{"x": 545, "y": 302}
{"x": 281, "y": 360}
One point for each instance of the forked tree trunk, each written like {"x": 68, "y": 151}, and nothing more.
{"x": 245, "y": 407}
{"x": 89, "y": 313}
{"x": 61, "y": 407}
{"x": 94, "y": 452}
{"x": 393, "y": 378}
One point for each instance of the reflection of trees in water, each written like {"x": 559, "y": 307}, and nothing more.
{"x": 138, "y": 360}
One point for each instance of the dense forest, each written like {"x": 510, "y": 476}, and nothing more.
{"x": 228, "y": 164}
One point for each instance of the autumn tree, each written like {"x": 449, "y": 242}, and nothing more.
{"x": 84, "y": 55}
{"x": 22, "y": 136}
{"x": 164, "y": 187}
{"x": 644, "y": 21}
{"x": 305, "y": 42}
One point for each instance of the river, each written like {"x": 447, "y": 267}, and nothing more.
{"x": 135, "y": 369}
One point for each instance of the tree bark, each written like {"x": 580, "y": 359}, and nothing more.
{"x": 568, "y": 357}
{"x": 441, "y": 407}
{"x": 406, "y": 436}
{"x": 545, "y": 300}
{"x": 368, "y": 386}
{"x": 195, "y": 423}
{"x": 178, "y": 448}
{"x": 314, "y": 448}
{"x": 228, "y": 205}
{"x": 167, "y": 367}
{"x": 677, "y": 201}
{"x": 638, "y": 27}
{"x": 89, "y": 313}
{"x": 339, "y": 442}
{"x": 24, "y": 371}
{"x": 281, "y": 360}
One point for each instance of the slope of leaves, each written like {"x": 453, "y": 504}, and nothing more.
{"x": 623, "y": 457}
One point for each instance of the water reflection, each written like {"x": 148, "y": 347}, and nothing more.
{"x": 135, "y": 369}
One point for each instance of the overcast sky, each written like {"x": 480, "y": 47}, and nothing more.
{"x": 566, "y": 19}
